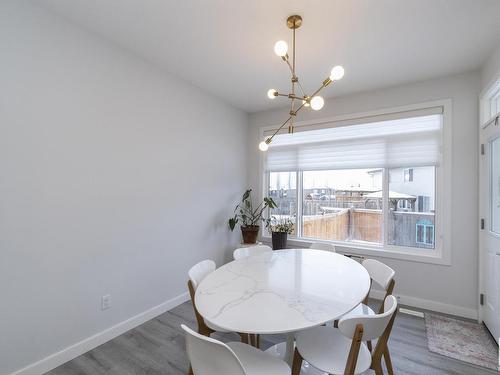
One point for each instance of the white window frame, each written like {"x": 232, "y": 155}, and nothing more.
{"x": 441, "y": 254}
{"x": 489, "y": 104}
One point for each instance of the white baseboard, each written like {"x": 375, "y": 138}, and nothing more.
{"x": 430, "y": 305}
{"x": 79, "y": 348}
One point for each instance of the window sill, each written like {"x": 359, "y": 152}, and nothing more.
{"x": 422, "y": 256}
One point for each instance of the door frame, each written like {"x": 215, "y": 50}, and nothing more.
{"x": 485, "y": 120}
{"x": 485, "y": 165}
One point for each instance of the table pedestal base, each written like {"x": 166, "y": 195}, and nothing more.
{"x": 280, "y": 351}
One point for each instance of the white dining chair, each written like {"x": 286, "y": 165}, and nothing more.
{"x": 244, "y": 252}
{"x": 322, "y": 246}
{"x": 381, "y": 274}
{"x": 196, "y": 274}
{"x": 208, "y": 356}
{"x": 343, "y": 350}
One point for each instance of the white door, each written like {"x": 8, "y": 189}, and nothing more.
{"x": 490, "y": 227}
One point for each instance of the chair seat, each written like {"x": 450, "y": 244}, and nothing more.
{"x": 327, "y": 349}
{"x": 257, "y": 362}
{"x": 359, "y": 310}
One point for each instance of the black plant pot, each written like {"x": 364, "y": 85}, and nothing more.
{"x": 279, "y": 240}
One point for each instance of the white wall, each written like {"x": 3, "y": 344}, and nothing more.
{"x": 445, "y": 288}
{"x": 114, "y": 179}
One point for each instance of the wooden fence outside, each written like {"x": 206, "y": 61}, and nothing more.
{"x": 333, "y": 226}
{"x": 355, "y": 224}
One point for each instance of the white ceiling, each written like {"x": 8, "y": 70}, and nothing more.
{"x": 226, "y": 47}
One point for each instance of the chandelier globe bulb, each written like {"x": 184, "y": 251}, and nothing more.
{"x": 263, "y": 146}
{"x": 271, "y": 94}
{"x": 317, "y": 102}
{"x": 337, "y": 73}
{"x": 281, "y": 48}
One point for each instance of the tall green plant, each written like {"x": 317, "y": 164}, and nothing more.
{"x": 246, "y": 215}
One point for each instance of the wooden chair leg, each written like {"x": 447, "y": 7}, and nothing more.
{"x": 377, "y": 367}
{"x": 388, "y": 362}
{"x": 204, "y": 332}
{"x": 297, "y": 363}
{"x": 258, "y": 341}
{"x": 253, "y": 340}
{"x": 369, "y": 345}
{"x": 244, "y": 338}
{"x": 190, "y": 371}
{"x": 352, "y": 359}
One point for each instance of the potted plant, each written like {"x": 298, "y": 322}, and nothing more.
{"x": 248, "y": 217}
{"x": 279, "y": 228}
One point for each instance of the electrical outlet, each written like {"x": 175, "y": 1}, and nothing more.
{"x": 105, "y": 302}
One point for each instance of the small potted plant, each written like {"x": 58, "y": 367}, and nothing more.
{"x": 279, "y": 228}
{"x": 248, "y": 217}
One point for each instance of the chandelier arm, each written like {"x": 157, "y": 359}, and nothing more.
{"x": 298, "y": 109}
{"x": 301, "y": 89}
{"x": 296, "y": 78}
{"x": 291, "y": 96}
{"x": 293, "y": 53}
{"x": 325, "y": 83}
{"x": 268, "y": 140}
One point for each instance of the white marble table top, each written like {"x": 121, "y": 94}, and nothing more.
{"x": 282, "y": 291}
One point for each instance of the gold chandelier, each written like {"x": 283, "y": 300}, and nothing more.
{"x": 313, "y": 101}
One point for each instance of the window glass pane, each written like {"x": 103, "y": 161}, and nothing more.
{"x": 283, "y": 190}
{"x": 420, "y": 233}
{"x": 337, "y": 205}
{"x": 412, "y": 207}
{"x": 429, "y": 235}
{"x": 495, "y": 185}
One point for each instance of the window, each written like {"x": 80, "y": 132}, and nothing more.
{"x": 495, "y": 103}
{"x": 408, "y": 175}
{"x": 424, "y": 233}
{"x": 283, "y": 190}
{"x": 349, "y": 183}
{"x": 410, "y": 205}
{"x": 490, "y": 103}
{"x": 341, "y": 211}
{"x": 495, "y": 185}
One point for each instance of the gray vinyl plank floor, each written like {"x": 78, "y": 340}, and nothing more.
{"x": 157, "y": 347}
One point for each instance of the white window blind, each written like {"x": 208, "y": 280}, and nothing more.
{"x": 409, "y": 141}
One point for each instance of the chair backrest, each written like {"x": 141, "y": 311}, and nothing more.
{"x": 244, "y": 252}
{"x": 322, "y": 246}
{"x": 373, "y": 325}
{"x": 200, "y": 270}
{"x": 209, "y": 356}
{"x": 379, "y": 272}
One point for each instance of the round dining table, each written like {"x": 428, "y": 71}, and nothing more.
{"x": 282, "y": 291}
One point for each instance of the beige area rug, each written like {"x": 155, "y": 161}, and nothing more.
{"x": 466, "y": 341}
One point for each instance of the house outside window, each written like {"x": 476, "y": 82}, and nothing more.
{"x": 424, "y": 232}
